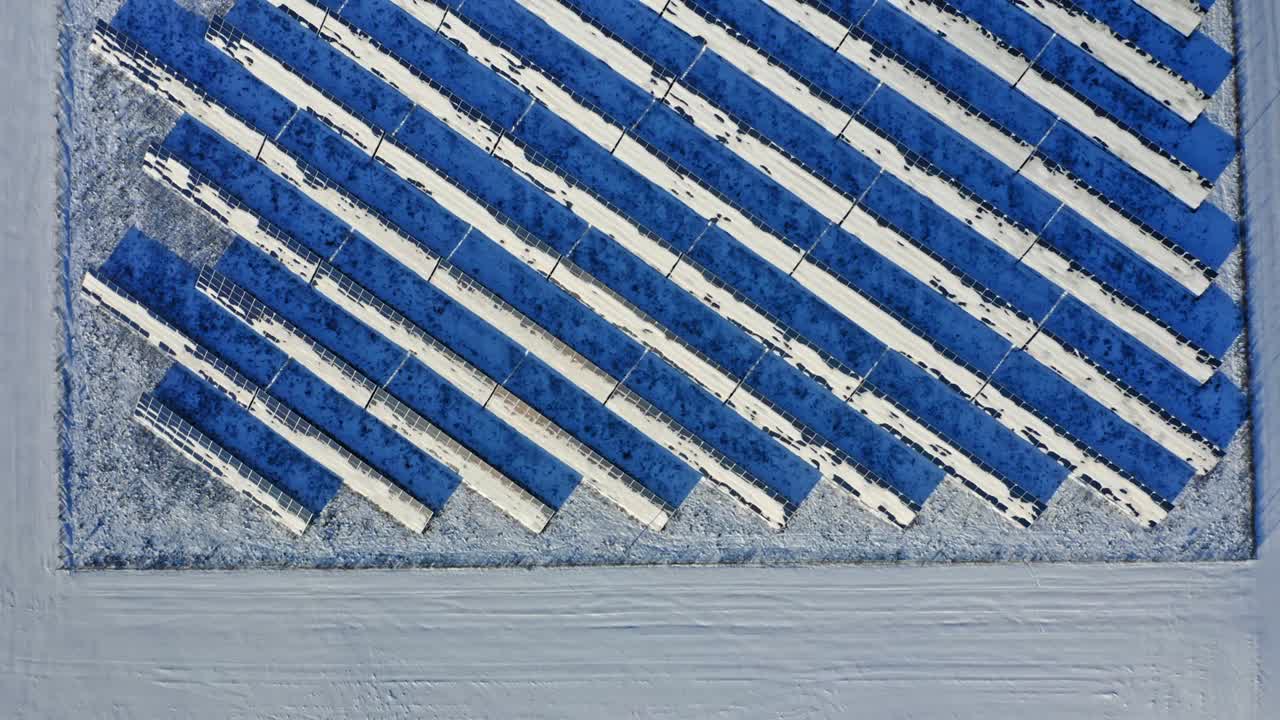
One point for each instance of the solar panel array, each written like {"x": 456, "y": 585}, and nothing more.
{"x": 528, "y": 245}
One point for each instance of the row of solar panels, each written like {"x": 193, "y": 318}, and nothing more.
{"x": 757, "y": 322}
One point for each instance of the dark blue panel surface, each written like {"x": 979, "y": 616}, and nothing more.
{"x": 850, "y": 11}
{"x": 413, "y": 211}
{"x": 1102, "y": 430}
{"x": 1207, "y": 233}
{"x": 723, "y": 429}
{"x": 779, "y": 295}
{"x": 1194, "y": 57}
{"x": 176, "y": 36}
{"x": 1211, "y": 321}
{"x": 955, "y": 156}
{"x": 514, "y": 455}
{"x": 1202, "y": 145}
{"x": 838, "y": 79}
{"x": 639, "y": 28}
{"x": 166, "y": 284}
{"x": 310, "y": 225}
{"x": 291, "y": 42}
{"x": 607, "y": 177}
{"x": 381, "y": 447}
{"x": 491, "y": 180}
{"x": 894, "y": 463}
{"x": 295, "y": 300}
{"x": 430, "y": 309}
{"x": 967, "y": 427}
{"x": 1214, "y": 409}
{"x": 958, "y": 244}
{"x": 953, "y": 69}
{"x": 242, "y": 435}
{"x": 561, "y": 315}
{"x": 438, "y": 59}
{"x": 1010, "y": 25}
{"x": 931, "y": 315}
{"x": 672, "y": 307}
{"x": 734, "y": 92}
{"x": 732, "y": 177}
{"x": 557, "y": 56}
{"x": 652, "y": 465}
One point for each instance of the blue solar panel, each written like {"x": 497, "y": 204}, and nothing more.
{"x": 1016, "y": 29}
{"x": 938, "y": 320}
{"x": 549, "y": 306}
{"x": 782, "y": 297}
{"x": 1202, "y": 145}
{"x": 1214, "y": 409}
{"x": 897, "y": 206}
{"x": 1207, "y": 232}
{"x": 973, "y": 431}
{"x": 1194, "y": 57}
{"x": 242, "y": 435}
{"x": 256, "y": 187}
{"x": 511, "y": 453}
{"x": 843, "y": 82}
{"x": 947, "y": 150}
{"x": 292, "y": 44}
{"x": 726, "y": 431}
{"x": 800, "y": 137}
{"x": 577, "y": 69}
{"x": 977, "y": 86}
{"x": 491, "y": 180}
{"x": 386, "y": 451}
{"x": 850, "y": 11}
{"x": 607, "y": 177}
{"x": 730, "y": 176}
{"x": 904, "y": 469}
{"x": 619, "y": 442}
{"x": 430, "y": 309}
{"x": 372, "y": 182}
{"x": 499, "y": 101}
{"x": 681, "y": 313}
{"x": 165, "y": 283}
{"x": 1090, "y": 422}
{"x": 370, "y": 353}
{"x": 668, "y": 49}
{"x": 1211, "y": 321}
{"x": 176, "y": 36}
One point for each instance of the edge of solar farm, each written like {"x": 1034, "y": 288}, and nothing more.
{"x": 667, "y": 346}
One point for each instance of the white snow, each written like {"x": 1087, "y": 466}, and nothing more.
{"x": 1183, "y": 15}
{"x": 967, "y": 35}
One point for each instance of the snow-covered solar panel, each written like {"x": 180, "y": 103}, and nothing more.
{"x": 783, "y": 241}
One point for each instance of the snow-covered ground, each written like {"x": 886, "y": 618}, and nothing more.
{"x": 1162, "y": 641}
{"x": 133, "y": 502}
